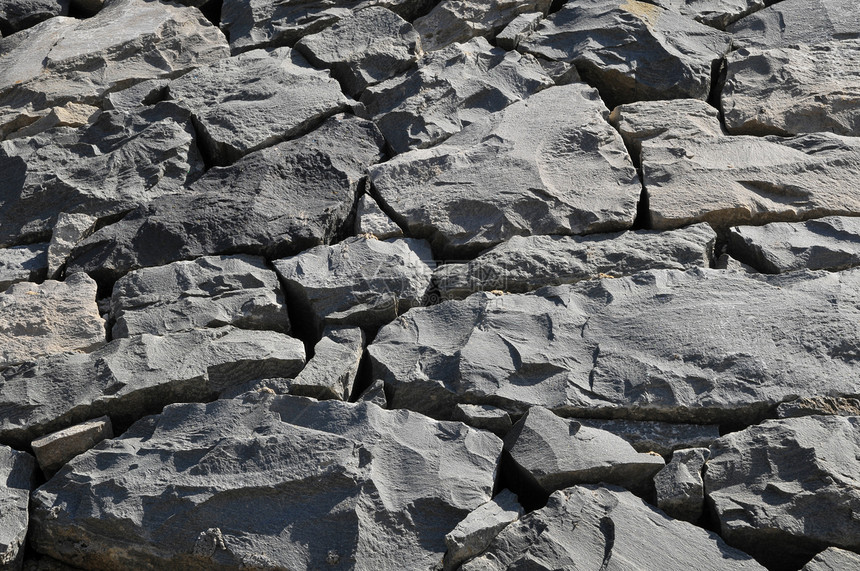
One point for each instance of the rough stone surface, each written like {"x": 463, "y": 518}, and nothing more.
{"x": 552, "y": 453}
{"x": 23, "y": 264}
{"x": 255, "y": 100}
{"x": 631, "y": 51}
{"x": 485, "y": 417}
{"x": 818, "y": 89}
{"x": 361, "y": 281}
{"x": 798, "y": 22}
{"x": 843, "y": 406}
{"x": 448, "y": 90}
{"x": 833, "y": 559}
{"x": 17, "y": 15}
{"x": 17, "y": 471}
{"x": 375, "y": 394}
{"x": 369, "y": 46}
{"x": 278, "y": 482}
{"x": 477, "y": 530}
{"x": 330, "y": 374}
{"x": 55, "y": 450}
{"x": 370, "y": 219}
{"x": 547, "y": 165}
{"x": 519, "y": 28}
{"x": 212, "y": 291}
{"x": 275, "y": 202}
{"x": 526, "y": 263}
{"x": 831, "y": 243}
{"x": 146, "y": 92}
{"x": 660, "y": 437}
{"x": 129, "y": 378}
{"x": 786, "y": 489}
{"x": 53, "y": 317}
{"x": 627, "y": 347}
{"x": 714, "y": 13}
{"x": 680, "y": 490}
{"x": 600, "y": 527}
{"x": 67, "y": 115}
{"x": 68, "y": 231}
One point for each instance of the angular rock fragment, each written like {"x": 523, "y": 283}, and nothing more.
{"x": 552, "y": 453}
{"x": 629, "y": 347}
{"x": 477, "y": 530}
{"x": 67, "y": 115}
{"x": 786, "y": 489}
{"x": 485, "y": 417}
{"x": 375, "y": 394}
{"x": 120, "y": 161}
{"x": 818, "y": 89}
{"x": 631, "y": 51}
{"x": 129, "y": 99}
{"x": 833, "y": 559}
{"x": 526, "y": 263}
{"x": 68, "y": 231}
{"x": 680, "y": 490}
{"x": 364, "y": 48}
{"x": 212, "y": 291}
{"x": 17, "y": 15}
{"x": 843, "y": 406}
{"x": 370, "y": 219}
{"x": 660, "y": 437}
{"x": 830, "y": 243}
{"x": 17, "y": 472}
{"x": 54, "y": 317}
{"x": 129, "y": 378}
{"x": 548, "y": 165}
{"x": 268, "y": 482}
{"x": 715, "y": 13}
{"x": 330, "y": 374}
{"x": 53, "y": 451}
{"x": 255, "y": 100}
{"x": 23, "y": 264}
{"x": 797, "y": 22}
{"x": 601, "y": 527}
{"x": 453, "y": 21}
{"x": 518, "y": 29}
{"x": 275, "y": 202}
{"x": 448, "y": 90}
{"x": 361, "y": 281}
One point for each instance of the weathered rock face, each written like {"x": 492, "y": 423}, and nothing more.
{"x": 477, "y": 530}
{"x": 526, "y": 263}
{"x": 594, "y": 527}
{"x": 714, "y": 13}
{"x": 330, "y": 374}
{"x": 818, "y": 90}
{"x": 449, "y": 89}
{"x": 549, "y": 165}
{"x": 831, "y": 243}
{"x": 797, "y": 22}
{"x": 23, "y": 264}
{"x": 212, "y": 291}
{"x": 255, "y": 100}
{"x": 679, "y": 486}
{"x": 17, "y": 15}
{"x": 843, "y": 406}
{"x": 129, "y": 378}
{"x": 633, "y": 50}
{"x": 274, "y": 202}
{"x": 17, "y": 472}
{"x": 370, "y": 219}
{"x": 278, "y": 482}
{"x": 67, "y": 115}
{"x": 68, "y": 231}
{"x": 54, "y": 317}
{"x": 833, "y": 559}
{"x": 628, "y": 347}
{"x": 54, "y": 450}
{"x": 786, "y": 489}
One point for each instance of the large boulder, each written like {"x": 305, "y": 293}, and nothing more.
{"x": 17, "y": 472}
{"x": 797, "y": 22}
{"x": 548, "y": 165}
{"x": 786, "y": 489}
{"x": 268, "y": 482}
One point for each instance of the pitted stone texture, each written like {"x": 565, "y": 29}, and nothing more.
{"x": 818, "y": 89}
{"x": 680, "y": 490}
{"x": 23, "y": 264}
{"x": 68, "y": 231}
{"x": 370, "y": 219}
{"x": 715, "y": 13}
{"x": 628, "y": 347}
{"x": 660, "y": 437}
{"x": 526, "y": 263}
{"x": 833, "y": 559}
{"x": 797, "y": 22}
{"x": 786, "y": 489}
{"x": 212, "y": 291}
{"x": 274, "y": 482}
{"x": 129, "y": 378}
{"x": 477, "y": 530}
{"x": 255, "y": 100}
{"x": 54, "y": 450}
{"x": 448, "y": 90}
{"x": 601, "y": 527}
{"x": 548, "y": 165}
{"x": 331, "y": 372}
{"x": 54, "y": 317}
{"x": 275, "y": 202}
{"x": 361, "y": 281}
{"x": 631, "y": 50}
{"x": 17, "y": 472}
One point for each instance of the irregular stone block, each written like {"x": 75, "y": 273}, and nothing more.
{"x": 17, "y": 15}
{"x": 715, "y": 13}
{"x": 361, "y": 281}
{"x": 548, "y": 165}
{"x": 129, "y": 99}
{"x": 797, "y": 22}
{"x": 449, "y": 89}
{"x": 330, "y": 374}
{"x": 601, "y": 527}
{"x": 370, "y": 219}
{"x": 519, "y": 28}
{"x": 53, "y": 317}
{"x": 818, "y": 90}
{"x": 477, "y": 530}
{"x": 680, "y": 490}
{"x": 526, "y": 263}
{"x": 68, "y": 231}
{"x": 485, "y": 417}
{"x": 273, "y": 482}
{"x": 68, "y": 115}
{"x": 843, "y": 406}
{"x": 255, "y": 100}
{"x": 23, "y": 264}
{"x": 661, "y": 437}
{"x": 129, "y": 378}
{"x": 17, "y": 472}
{"x": 633, "y": 50}
{"x": 785, "y": 489}
{"x": 207, "y": 292}
{"x": 53, "y": 451}
{"x": 275, "y": 202}
{"x": 375, "y": 394}
{"x": 833, "y": 559}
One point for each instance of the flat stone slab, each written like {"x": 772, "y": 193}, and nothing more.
{"x": 797, "y": 22}
{"x": 274, "y": 482}
{"x": 627, "y": 347}
{"x": 55, "y": 450}
{"x": 17, "y": 472}
{"x": 548, "y": 165}
{"x": 23, "y": 264}
{"x": 715, "y": 13}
